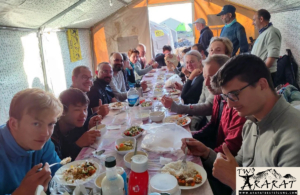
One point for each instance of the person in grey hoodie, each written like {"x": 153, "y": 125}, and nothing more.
{"x": 270, "y": 136}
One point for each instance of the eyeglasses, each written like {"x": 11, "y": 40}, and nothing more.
{"x": 86, "y": 78}
{"x": 234, "y": 95}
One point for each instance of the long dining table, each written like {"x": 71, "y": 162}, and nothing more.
{"x": 107, "y": 142}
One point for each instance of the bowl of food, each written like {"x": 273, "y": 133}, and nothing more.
{"x": 146, "y": 105}
{"x": 101, "y": 127}
{"x": 98, "y": 180}
{"x": 143, "y": 115}
{"x": 129, "y": 155}
{"x": 125, "y": 145}
{"x": 157, "y": 116}
{"x": 164, "y": 183}
{"x": 134, "y": 131}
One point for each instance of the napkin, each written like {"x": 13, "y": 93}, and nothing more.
{"x": 39, "y": 190}
{"x": 80, "y": 190}
{"x": 164, "y": 161}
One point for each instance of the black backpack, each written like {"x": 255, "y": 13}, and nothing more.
{"x": 287, "y": 70}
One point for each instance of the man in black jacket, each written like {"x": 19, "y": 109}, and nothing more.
{"x": 69, "y": 135}
{"x": 205, "y": 33}
{"x": 101, "y": 94}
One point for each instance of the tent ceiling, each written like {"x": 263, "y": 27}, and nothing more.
{"x": 34, "y": 13}
{"x": 270, "y": 5}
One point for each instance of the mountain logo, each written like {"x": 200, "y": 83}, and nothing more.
{"x": 264, "y": 180}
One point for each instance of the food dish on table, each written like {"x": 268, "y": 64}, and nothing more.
{"x": 133, "y": 131}
{"x": 159, "y": 85}
{"x": 80, "y": 171}
{"x": 174, "y": 91}
{"x": 149, "y": 75}
{"x": 124, "y": 146}
{"x": 146, "y": 104}
{"x": 65, "y": 160}
{"x": 194, "y": 176}
{"x": 181, "y": 122}
{"x": 158, "y": 90}
{"x": 117, "y": 105}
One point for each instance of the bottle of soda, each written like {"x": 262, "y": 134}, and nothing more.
{"x": 132, "y": 96}
{"x": 139, "y": 176}
{"x": 112, "y": 183}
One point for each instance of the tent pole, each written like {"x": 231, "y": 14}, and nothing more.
{"x": 18, "y": 28}
{"x": 40, "y": 39}
{"x": 92, "y": 51}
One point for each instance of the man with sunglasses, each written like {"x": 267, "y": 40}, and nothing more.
{"x": 101, "y": 93}
{"x": 270, "y": 136}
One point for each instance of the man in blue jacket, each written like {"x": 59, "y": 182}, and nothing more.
{"x": 25, "y": 144}
{"x": 233, "y": 30}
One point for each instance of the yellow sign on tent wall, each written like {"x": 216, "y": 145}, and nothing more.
{"x": 74, "y": 45}
{"x": 159, "y": 33}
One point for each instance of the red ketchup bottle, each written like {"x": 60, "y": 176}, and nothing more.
{"x": 138, "y": 177}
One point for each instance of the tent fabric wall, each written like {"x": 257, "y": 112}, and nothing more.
{"x": 20, "y": 66}
{"x": 57, "y": 59}
{"x": 288, "y": 24}
{"x": 132, "y": 21}
{"x": 244, "y": 16}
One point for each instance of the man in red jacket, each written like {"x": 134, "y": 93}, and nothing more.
{"x": 225, "y": 125}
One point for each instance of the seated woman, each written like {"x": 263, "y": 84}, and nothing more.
{"x": 218, "y": 45}
{"x": 138, "y": 71}
{"x": 193, "y": 87}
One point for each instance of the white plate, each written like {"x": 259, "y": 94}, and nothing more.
{"x": 202, "y": 172}
{"x": 173, "y": 119}
{"x": 147, "y": 90}
{"x": 59, "y": 173}
{"x": 116, "y": 108}
{"x": 149, "y": 75}
{"x": 177, "y": 92}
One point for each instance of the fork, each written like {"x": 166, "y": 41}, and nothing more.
{"x": 183, "y": 163}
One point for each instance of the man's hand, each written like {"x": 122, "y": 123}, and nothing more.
{"x": 185, "y": 72}
{"x": 88, "y": 138}
{"x": 224, "y": 167}
{"x": 114, "y": 100}
{"x": 178, "y": 86}
{"x": 103, "y": 109}
{"x": 154, "y": 65}
{"x": 144, "y": 85}
{"x": 151, "y": 62}
{"x": 94, "y": 120}
{"x": 166, "y": 101}
{"x": 195, "y": 147}
{"x": 195, "y": 73}
{"x": 33, "y": 178}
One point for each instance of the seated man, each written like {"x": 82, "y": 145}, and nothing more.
{"x": 160, "y": 57}
{"x": 24, "y": 142}
{"x": 82, "y": 79}
{"x": 225, "y": 125}
{"x": 69, "y": 135}
{"x": 100, "y": 92}
{"x": 270, "y": 136}
{"x": 117, "y": 83}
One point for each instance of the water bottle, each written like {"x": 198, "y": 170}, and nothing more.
{"x": 132, "y": 96}
{"x": 112, "y": 183}
{"x": 139, "y": 89}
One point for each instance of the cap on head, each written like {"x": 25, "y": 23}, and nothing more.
{"x": 200, "y": 20}
{"x": 227, "y": 9}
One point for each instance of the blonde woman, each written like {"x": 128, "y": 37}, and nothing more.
{"x": 220, "y": 45}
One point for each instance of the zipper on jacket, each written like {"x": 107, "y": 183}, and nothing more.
{"x": 257, "y": 136}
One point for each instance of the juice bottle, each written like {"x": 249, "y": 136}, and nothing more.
{"x": 138, "y": 177}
